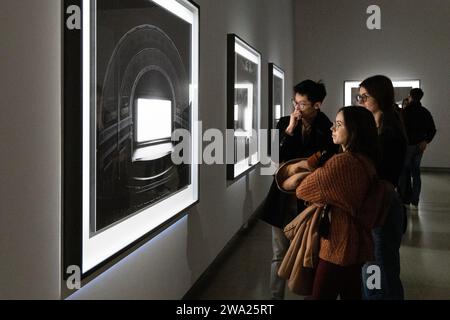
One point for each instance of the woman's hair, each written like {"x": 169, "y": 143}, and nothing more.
{"x": 362, "y": 132}
{"x": 382, "y": 90}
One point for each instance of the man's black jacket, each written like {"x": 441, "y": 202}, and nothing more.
{"x": 419, "y": 124}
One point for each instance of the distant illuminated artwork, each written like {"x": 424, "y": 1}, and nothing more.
{"x": 276, "y": 95}
{"x": 276, "y": 99}
{"x": 244, "y": 102}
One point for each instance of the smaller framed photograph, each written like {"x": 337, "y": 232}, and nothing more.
{"x": 401, "y": 90}
{"x": 276, "y": 98}
{"x": 243, "y": 106}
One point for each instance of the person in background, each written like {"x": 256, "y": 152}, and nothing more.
{"x": 302, "y": 134}
{"x": 421, "y": 130}
{"x": 376, "y": 94}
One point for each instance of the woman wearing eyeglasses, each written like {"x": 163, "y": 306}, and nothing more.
{"x": 376, "y": 94}
{"x": 343, "y": 183}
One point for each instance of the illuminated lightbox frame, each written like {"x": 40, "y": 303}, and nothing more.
{"x": 276, "y": 108}
{"x": 81, "y": 245}
{"x": 350, "y": 86}
{"x": 239, "y": 49}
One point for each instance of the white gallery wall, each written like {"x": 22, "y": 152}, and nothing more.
{"x": 333, "y": 43}
{"x": 30, "y": 218}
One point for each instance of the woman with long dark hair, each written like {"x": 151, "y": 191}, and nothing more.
{"x": 343, "y": 183}
{"x": 376, "y": 94}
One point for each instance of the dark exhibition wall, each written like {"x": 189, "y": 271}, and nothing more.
{"x": 306, "y": 39}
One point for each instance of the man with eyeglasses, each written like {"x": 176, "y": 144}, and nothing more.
{"x": 305, "y": 132}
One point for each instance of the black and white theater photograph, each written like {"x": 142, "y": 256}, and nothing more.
{"x": 142, "y": 81}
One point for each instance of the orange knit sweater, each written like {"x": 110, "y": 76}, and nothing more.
{"x": 343, "y": 183}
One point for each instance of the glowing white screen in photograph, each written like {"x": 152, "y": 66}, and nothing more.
{"x": 248, "y": 109}
{"x": 154, "y": 119}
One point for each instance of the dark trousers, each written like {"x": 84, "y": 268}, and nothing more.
{"x": 410, "y": 182}
{"x": 332, "y": 280}
{"x": 387, "y": 241}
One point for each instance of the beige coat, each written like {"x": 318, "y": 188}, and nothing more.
{"x": 302, "y": 256}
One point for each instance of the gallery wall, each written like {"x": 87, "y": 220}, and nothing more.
{"x": 30, "y": 161}
{"x": 30, "y": 221}
{"x": 333, "y": 43}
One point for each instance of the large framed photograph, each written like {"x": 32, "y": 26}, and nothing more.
{"x": 276, "y": 98}
{"x": 243, "y": 106}
{"x": 130, "y": 81}
{"x": 401, "y": 90}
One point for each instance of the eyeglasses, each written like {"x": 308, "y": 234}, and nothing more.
{"x": 337, "y": 125}
{"x": 361, "y": 98}
{"x": 301, "y": 105}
